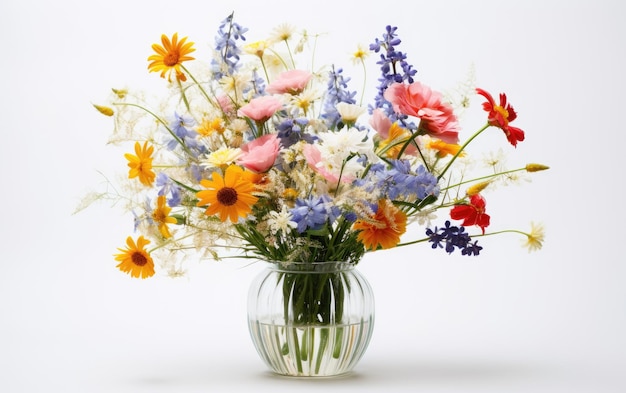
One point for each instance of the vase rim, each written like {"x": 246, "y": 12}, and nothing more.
{"x": 302, "y": 262}
{"x": 310, "y": 266}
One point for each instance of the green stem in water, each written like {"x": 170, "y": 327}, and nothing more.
{"x": 324, "y": 334}
{"x": 296, "y": 345}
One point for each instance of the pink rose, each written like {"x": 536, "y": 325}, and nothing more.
{"x": 438, "y": 118}
{"x": 292, "y": 81}
{"x": 260, "y": 108}
{"x": 259, "y": 155}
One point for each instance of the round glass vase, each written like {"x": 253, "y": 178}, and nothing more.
{"x": 310, "y": 319}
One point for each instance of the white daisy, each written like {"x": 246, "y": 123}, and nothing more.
{"x": 281, "y": 221}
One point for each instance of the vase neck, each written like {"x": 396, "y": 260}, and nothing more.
{"x": 311, "y": 267}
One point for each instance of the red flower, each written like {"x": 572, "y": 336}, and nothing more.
{"x": 472, "y": 213}
{"x": 501, "y": 115}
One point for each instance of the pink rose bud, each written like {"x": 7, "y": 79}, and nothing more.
{"x": 259, "y": 155}
{"x": 261, "y": 108}
{"x": 292, "y": 82}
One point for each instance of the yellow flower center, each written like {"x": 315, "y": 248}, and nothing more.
{"x": 158, "y": 215}
{"x": 171, "y": 59}
{"x": 290, "y": 194}
{"x": 139, "y": 259}
{"x": 503, "y": 112}
{"x": 302, "y": 103}
{"x": 359, "y": 54}
{"x": 210, "y": 126}
{"x": 227, "y": 196}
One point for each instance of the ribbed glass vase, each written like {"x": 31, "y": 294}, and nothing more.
{"x": 310, "y": 319}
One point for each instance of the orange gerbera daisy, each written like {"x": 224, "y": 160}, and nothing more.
{"x": 170, "y": 56}
{"x": 160, "y": 215}
{"x": 384, "y": 228}
{"x": 135, "y": 260}
{"x": 141, "y": 164}
{"x": 229, "y": 196}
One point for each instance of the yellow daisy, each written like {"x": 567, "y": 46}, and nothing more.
{"x": 160, "y": 215}
{"x": 230, "y": 196}
{"x": 135, "y": 260}
{"x": 210, "y": 126}
{"x": 222, "y": 157}
{"x": 170, "y": 56}
{"x": 141, "y": 164}
{"x": 256, "y": 48}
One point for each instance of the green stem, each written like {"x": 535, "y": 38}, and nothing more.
{"x": 324, "y": 333}
{"x": 183, "y": 185}
{"x": 472, "y": 236}
{"x": 260, "y": 128}
{"x": 501, "y": 232}
{"x": 338, "y": 342}
{"x": 484, "y": 178}
{"x": 267, "y": 77}
{"x": 169, "y": 130}
{"x": 297, "y": 347}
{"x": 279, "y": 58}
{"x": 364, "y": 82}
{"x": 183, "y": 95}
{"x": 204, "y": 93}
{"x": 406, "y": 145}
{"x": 461, "y": 149}
{"x": 293, "y": 62}
{"x": 413, "y": 242}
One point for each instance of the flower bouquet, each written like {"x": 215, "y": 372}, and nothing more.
{"x": 260, "y": 153}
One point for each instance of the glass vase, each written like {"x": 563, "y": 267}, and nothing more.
{"x": 310, "y": 319}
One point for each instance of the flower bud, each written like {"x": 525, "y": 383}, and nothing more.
{"x": 105, "y": 110}
{"x": 536, "y": 167}
{"x": 477, "y": 188}
{"x": 120, "y": 93}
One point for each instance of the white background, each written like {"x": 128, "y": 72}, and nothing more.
{"x": 508, "y": 321}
